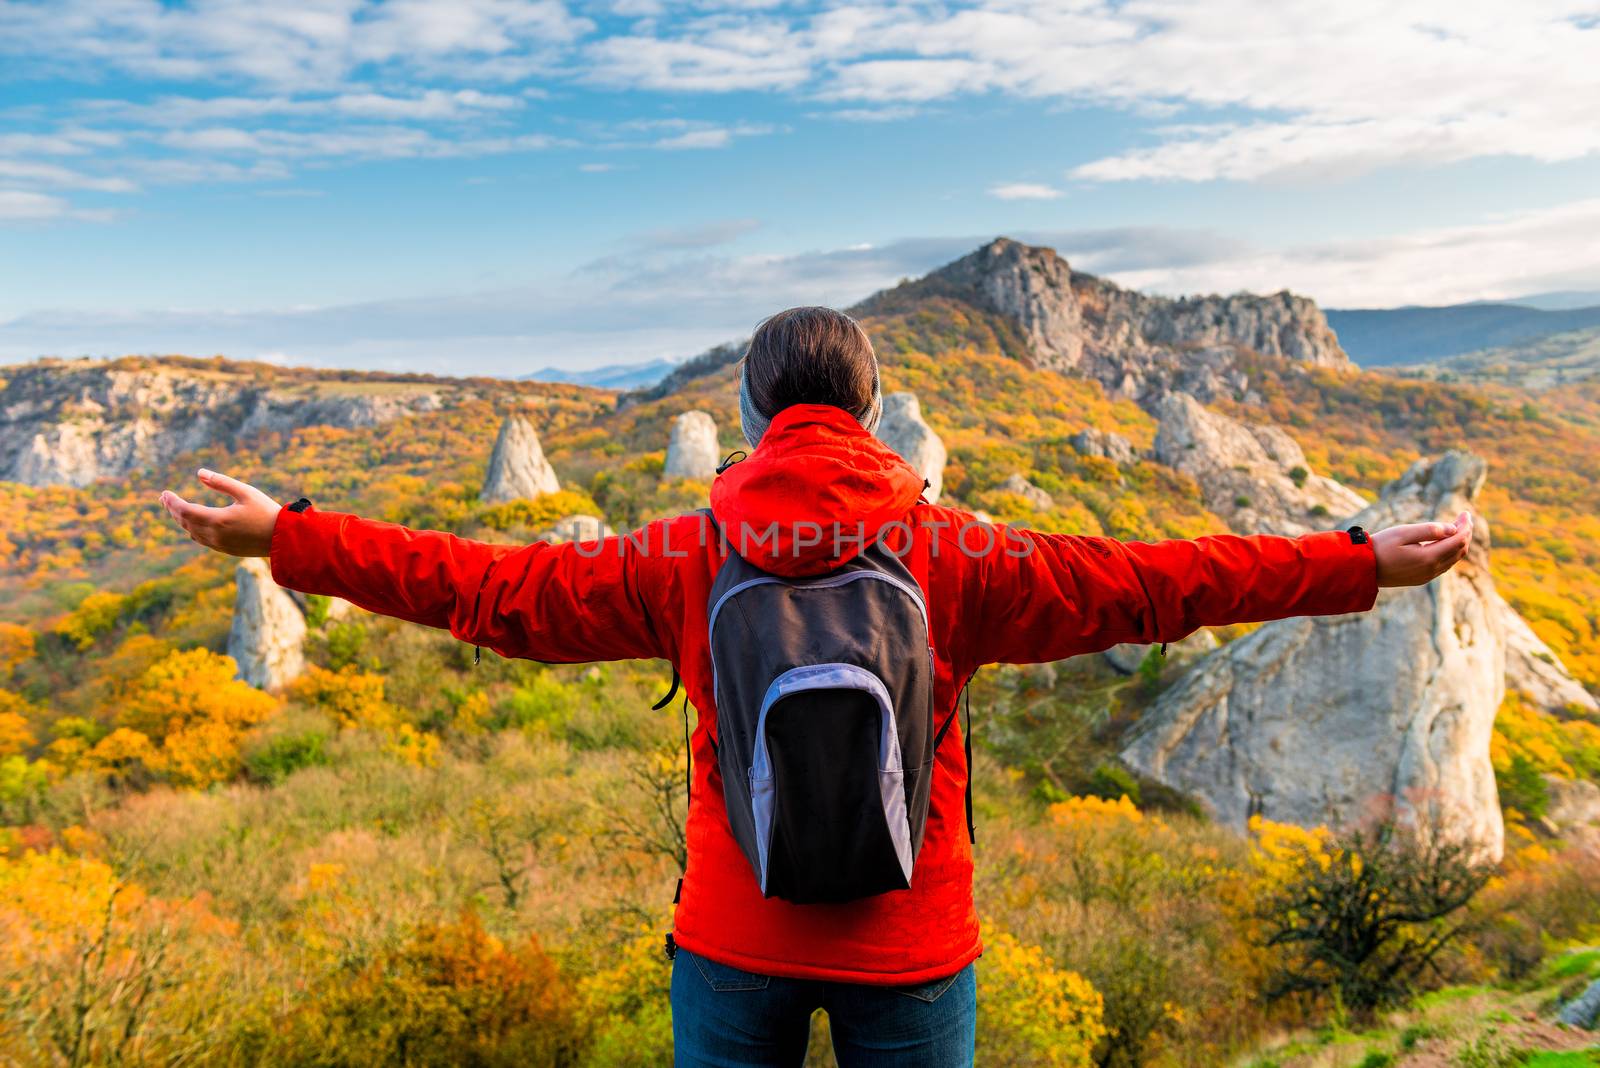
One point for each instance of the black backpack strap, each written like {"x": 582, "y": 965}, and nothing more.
{"x": 966, "y": 736}
{"x": 964, "y": 697}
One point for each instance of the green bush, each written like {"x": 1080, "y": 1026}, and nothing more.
{"x": 281, "y": 756}
{"x": 1522, "y": 787}
{"x": 1111, "y": 782}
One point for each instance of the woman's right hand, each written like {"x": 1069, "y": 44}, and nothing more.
{"x": 243, "y": 528}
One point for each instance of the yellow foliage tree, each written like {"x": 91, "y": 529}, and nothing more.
{"x": 15, "y": 734}
{"x": 92, "y": 967}
{"x": 16, "y": 645}
{"x": 95, "y": 615}
{"x": 190, "y": 705}
{"x": 355, "y": 700}
{"x": 1031, "y": 1012}
{"x": 628, "y": 1006}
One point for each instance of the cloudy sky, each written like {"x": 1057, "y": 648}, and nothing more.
{"x": 499, "y": 185}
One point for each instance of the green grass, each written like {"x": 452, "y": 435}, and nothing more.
{"x": 1568, "y": 965}
{"x": 1583, "y": 1058}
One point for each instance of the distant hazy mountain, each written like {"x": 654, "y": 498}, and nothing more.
{"x": 1560, "y": 300}
{"x": 612, "y": 376}
{"x": 1543, "y": 363}
{"x": 1380, "y": 337}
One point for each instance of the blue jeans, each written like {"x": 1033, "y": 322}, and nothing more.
{"x": 723, "y": 1017}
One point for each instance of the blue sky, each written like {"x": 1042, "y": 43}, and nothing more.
{"x": 498, "y": 185}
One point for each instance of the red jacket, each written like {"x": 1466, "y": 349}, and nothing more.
{"x": 1030, "y": 597}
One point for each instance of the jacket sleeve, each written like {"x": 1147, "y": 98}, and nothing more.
{"x": 564, "y": 603}
{"x": 1045, "y": 597}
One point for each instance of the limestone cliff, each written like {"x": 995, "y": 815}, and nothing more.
{"x": 73, "y": 422}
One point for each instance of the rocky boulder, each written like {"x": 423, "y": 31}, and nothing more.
{"x": 693, "y": 451}
{"x": 517, "y": 467}
{"x": 1105, "y": 444}
{"x": 1341, "y": 720}
{"x": 1584, "y": 1010}
{"x": 269, "y": 630}
{"x": 1037, "y": 498}
{"x": 578, "y": 528}
{"x": 904, "y": 430}
{"x": 1255, "y": 477}
{"x": 1534, "y": 669}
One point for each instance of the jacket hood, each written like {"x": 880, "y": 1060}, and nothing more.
{"x": 816, "y": 491}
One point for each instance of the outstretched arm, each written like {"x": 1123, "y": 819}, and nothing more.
{"x": 558, "y": 603}
{"x": 1067, "y": 595}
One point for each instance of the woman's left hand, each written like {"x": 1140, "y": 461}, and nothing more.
{"x": 243, "y": 528}
{"x": 1417, "y": 553}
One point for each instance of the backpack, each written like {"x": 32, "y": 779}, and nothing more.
{"x": 825, "y": 732}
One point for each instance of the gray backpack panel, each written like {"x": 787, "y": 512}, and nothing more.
{"x": 825, "y": 733}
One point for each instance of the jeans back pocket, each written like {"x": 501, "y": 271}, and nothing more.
{"x": 725, "y": 977}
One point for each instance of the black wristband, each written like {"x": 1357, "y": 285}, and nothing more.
{"x": 301, "y": 505}
{"x": 1358, "y": 536}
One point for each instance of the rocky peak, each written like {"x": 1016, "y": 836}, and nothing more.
{"x": 1030, "y": 285}
{"x": 1135, "y": 344}
{"x": 693, "y": 451}
{"x": 517, "y": 467}
{"x": 1343, "y": 719}
{"x": 903, "y": 429}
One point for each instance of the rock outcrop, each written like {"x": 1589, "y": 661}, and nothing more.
{"x": 903, "y": 429}
{"x": 73, "y": 422}
{"x": 1584, "y": 1010}
{"x": 1533, "y": 668}
{"x": 1136, "y": 345}
{"x": 1037, "y": 498}
{"x": 517, "y": 467}
{"x": 693, "y": 451}
{"x": 578, "y": 528}
{"x": 1340, "y": 720}
{"x": 269, "y": 630}
{"x": 1573, "y": 810}
{"x": 1106, "y": 444}
{"x": 1255, "y": 477}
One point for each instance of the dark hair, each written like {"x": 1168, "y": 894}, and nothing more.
{"x": 811, "y": 356}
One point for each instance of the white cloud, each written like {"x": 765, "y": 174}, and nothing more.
{"x": 427, "y": 105}
{"x": 702, "y": 235}
{"x": 358, "y": 142}
{"x": 296, "y": 44}
{"x": 1549, "y": 249}
{"x": 674, "y": 301}
{"x": 1316, "y": 90}
{"x": 1024, "y": 191}
{"x": 883, "y": 114}
{"x": 1297, "y": 88}
{"x": 23, "y": 205}
{"x": 50, "y": 175}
